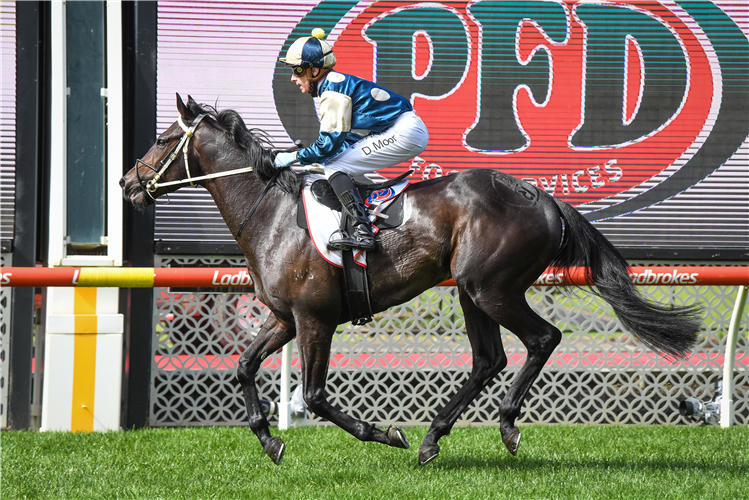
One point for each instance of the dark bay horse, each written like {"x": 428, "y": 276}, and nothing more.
{"x": 493, "y": 234}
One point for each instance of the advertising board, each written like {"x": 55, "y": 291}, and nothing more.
{"x": 636, "y": 112}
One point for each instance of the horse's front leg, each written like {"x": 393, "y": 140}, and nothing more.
{"x": 272, "y": 336}
{"x": 314, "y": 349}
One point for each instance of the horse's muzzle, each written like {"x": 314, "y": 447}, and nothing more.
{"x": 133, "y": 192}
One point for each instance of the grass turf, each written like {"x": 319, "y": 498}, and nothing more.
{"x": 607, "y": 462}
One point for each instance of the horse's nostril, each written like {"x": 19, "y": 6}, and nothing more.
{"x": 122, "y": 183}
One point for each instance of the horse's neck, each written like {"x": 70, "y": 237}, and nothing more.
{"x": 234, "y": 197}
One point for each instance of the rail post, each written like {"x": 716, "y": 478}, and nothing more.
{"x": 83, "y": 360}
{"x": 726, "y": 404}
{"x": 284, "y": 406}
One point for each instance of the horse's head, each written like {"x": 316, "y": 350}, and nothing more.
{"x": 194, "y": 150}
{"x": 171, "y": 161}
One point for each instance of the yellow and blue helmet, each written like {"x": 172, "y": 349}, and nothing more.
{"x": 310, "y": 52}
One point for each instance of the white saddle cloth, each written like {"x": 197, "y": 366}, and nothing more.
{"x": 323, "y": 222}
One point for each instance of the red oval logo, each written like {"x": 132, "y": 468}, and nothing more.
{"x": 594, "y": 102}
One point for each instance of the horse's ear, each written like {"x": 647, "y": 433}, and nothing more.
{"x": 185, "y": 110}
{"x": 181, "y": 106}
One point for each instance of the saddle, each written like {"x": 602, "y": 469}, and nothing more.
{"x": 324, "y": 194}
{"x": 356, "y": 287}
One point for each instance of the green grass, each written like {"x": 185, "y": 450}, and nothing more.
{"x": 606, "y": 462}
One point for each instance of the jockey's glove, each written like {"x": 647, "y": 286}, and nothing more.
{"x": 284, "y": 159}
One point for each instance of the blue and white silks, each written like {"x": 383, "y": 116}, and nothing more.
{"x": 363, "y": 127}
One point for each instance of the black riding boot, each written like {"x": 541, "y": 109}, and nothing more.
{"x": 362, "y": 239}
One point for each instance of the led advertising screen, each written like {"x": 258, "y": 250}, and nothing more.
{"x": 635, "y": 112}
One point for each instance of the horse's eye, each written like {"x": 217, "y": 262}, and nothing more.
{"x": 160, "y": 143}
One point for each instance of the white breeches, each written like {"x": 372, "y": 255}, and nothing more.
{"x": 406, "y": 139}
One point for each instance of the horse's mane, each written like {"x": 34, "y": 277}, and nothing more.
{"x": 256, "y": 145}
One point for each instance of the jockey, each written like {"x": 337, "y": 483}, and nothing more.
{"x": 363, "y": 128}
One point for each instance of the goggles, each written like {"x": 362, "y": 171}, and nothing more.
{"x": 301, "y": 68}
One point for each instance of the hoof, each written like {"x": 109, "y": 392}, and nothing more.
{"x": 397, "y": 438}
{"x": 428, "y": 453}
{"x": 513, "y": 441}
{"x": 275, "y": 450}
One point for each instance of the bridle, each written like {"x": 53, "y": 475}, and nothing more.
{"x": 154, "y": 184}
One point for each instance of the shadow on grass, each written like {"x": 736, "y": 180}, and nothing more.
{"x": 537, "y": 465}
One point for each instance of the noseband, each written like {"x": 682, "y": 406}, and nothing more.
{"x": 154, "y": 184}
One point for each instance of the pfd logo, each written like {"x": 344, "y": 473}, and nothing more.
{"x": 591, "y": 101}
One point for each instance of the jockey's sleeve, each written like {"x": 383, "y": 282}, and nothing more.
{"x": 335, "y": 124}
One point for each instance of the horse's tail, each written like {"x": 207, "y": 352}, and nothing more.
{"x": 668, "y": 329}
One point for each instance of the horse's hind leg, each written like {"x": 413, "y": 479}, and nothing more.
{"x": 488, "y": 360}
{"x": 540, "y": 339}
{"x": 271, "y": 337}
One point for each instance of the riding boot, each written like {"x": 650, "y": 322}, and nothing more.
{"x": 362, "y": 237}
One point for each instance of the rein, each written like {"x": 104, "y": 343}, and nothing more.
{"x": 154, "y": 184}
{"x": 257, "y": 203}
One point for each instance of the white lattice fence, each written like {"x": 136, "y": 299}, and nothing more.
{"x": 403, "y": 367}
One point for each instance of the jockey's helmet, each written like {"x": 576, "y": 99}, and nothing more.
{"x": 309, "y": 52}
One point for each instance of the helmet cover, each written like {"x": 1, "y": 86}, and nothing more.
{"x": 310, "y": 51}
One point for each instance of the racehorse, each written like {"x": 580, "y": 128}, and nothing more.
{"x": 490, "y": 232}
